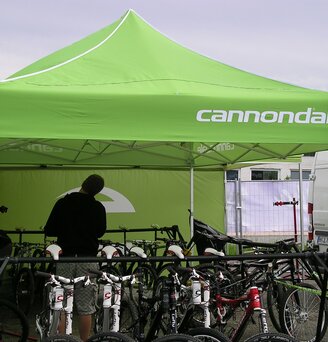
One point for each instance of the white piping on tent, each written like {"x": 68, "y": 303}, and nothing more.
{"x": 69, "y": 60}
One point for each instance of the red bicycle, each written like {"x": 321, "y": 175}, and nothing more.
{"x": 225, "y": 308}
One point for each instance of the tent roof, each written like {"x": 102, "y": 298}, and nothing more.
{"x": 129, "y": 96}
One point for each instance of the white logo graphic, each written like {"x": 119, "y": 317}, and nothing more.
{"x": 269, "y": 116}
{"x": 118, "y": 203}
{"x": 215, "y": 148}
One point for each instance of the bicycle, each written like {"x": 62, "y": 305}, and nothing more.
{"x": 198, "y": 289}
{"x": 252, "y": 302}
{"x": 114, "y": 266}
{"x": 109, "y": 316}
{"x": 244, "y": 273}
{"x": 59, "y": 290}
{"x": 25, "y": 284}
{"x": 168, "y": 311}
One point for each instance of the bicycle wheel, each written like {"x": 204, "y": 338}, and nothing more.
{"x": 24, "y": 289}
{"x": 13, "y": 323}
{"x": 271, "y": 337}
{"x": 300, "y": 312}
{"x": 208, "y": 335}
{"x": 128, "y": 318}
{"x": 274, "y": 296}
{"x": 177, "y": 338}
{"x": 148, "y": 278}
{"x": 160, "y": 306}
{"x": 110, "y": 337}
{"x": 61, "y": 338}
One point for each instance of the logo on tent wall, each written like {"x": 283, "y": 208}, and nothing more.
{"x": 118, "y": 203}
{"x": 215, "y": 148}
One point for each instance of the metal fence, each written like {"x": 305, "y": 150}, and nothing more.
{"x": 267, "y": 210}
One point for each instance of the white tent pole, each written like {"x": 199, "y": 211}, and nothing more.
{"x": 191, "y": 202}
{"x": 236, "y": 208}
{"x": 301, "y": 203}
{"x": 239, "y": 209}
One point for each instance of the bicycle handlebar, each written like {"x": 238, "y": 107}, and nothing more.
{"x": 108, "y": 277}
{"x": 62, "y": 280}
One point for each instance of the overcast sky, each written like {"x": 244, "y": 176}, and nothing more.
{"x": 286, "y": 40}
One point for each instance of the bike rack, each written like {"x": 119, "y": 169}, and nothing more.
{"x": 173, "y": 230}
{"x": 317, "y": 257}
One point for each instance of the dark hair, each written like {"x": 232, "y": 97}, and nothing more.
{"x": 93, "y": 184}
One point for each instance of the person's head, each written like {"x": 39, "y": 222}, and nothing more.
{"x": 93, "y": 184}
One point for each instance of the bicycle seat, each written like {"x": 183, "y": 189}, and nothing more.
{"x": 110, "y": 252}
{"x": 213, "y": 251}
{"x": 139, "y": 251}
{"x": 54, "y": 250}
{"x": 176, "y": 250}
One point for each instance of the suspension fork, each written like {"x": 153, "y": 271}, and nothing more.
{"x": 256, "y": 305}
{"x": 107, "y": 304}
{"x": 69, "y": 292}
{"x": 56, "y": 297}
{"x": 116, "y": 306}
{"x": 173, "y": 307}
{"x": 206, "y": 294}
{"x": 262, "y": 314}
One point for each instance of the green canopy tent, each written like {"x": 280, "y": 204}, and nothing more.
{"x": 127, "y": 96}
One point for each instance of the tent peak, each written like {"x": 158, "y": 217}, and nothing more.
{"x": 129, "y": 12}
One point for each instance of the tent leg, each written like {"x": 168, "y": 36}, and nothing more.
{"x": 301, "y": 204}
{"x": 191, "y": 202}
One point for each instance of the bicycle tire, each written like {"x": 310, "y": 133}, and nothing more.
{"x": 208, "y": 335}
{"x": 299, "y": 314}
{"x": 110, "y": 336}
{"x": 24, "y": 289}
{"x": 148, "y": 277}
{"x": 274, "y": 296}
{"x": 61, "y": 338}
{"x": 11, "y": 317}
{"x": 53, "y": 328}
{"x": 177, "y": 338}
{"x": 271, "y": 337}
{"x": 160, "y": 305}
{"x": 44, "y": 318}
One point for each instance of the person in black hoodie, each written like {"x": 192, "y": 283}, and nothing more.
{"x": 78, "y": 220}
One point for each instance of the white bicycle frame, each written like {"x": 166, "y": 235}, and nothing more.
{"x": 62, "y": 291}
{"x": 201, "y": 295}
{"x": 112, "y": 298}
{"x": 200, "y": 289}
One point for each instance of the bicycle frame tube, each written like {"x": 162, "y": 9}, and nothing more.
{"x": 107, "y": 304}
{"x": 206, "y": 304}
{"x": 116, "y": 307}
{"x": 69, "y": 293}
{"x": 112, "y": 297}
{"x": 197, "y": 298}
{"x": 56, "y": 300}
